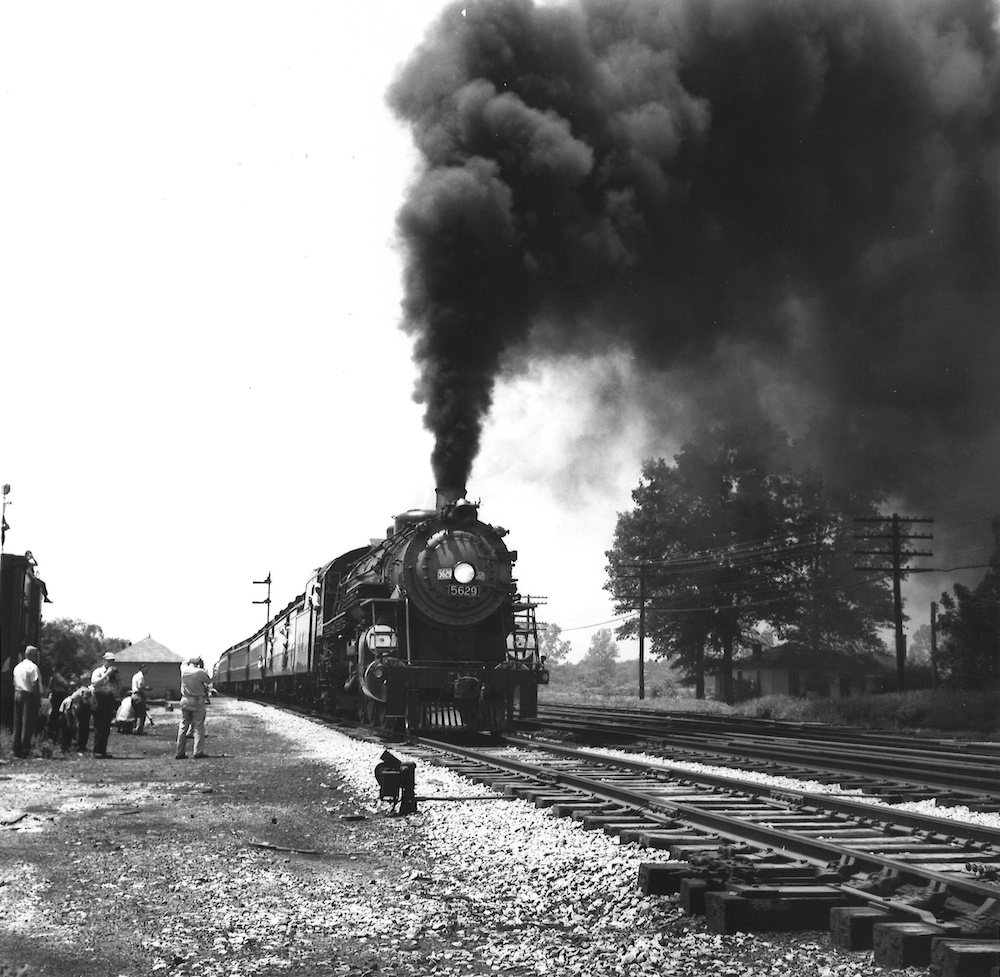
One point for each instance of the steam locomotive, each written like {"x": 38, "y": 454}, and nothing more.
{"x": 420, "y": 630}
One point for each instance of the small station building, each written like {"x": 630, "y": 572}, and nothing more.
{"x": 793, "y": 669}
{"x": 160, "y": 665}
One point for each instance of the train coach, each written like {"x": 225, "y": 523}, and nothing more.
{"x": 420, "y": 630}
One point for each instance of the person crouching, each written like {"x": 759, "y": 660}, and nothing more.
{"x": 74, "y": 717}
{"x": 196, "y": 686}
{"x": 125, "y": 719}
{"x": 139, "y": 692}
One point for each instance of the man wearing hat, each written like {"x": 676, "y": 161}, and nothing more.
{"x": 27, "y": 699}
{"x": 106, "y": 685}
{"x": 196, "y": 686}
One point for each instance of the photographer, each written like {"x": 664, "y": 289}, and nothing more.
{"x": 107, "y": 693}
{"x": 196, "y": 687}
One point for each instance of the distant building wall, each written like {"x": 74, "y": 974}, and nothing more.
{"x": 781, "y": 681}
{"x": 163, "y": 678}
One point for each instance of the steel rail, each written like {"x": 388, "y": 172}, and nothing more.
{"x": 838, "y": 803}
{"x": 982, "y": 780}
{"x": 750, "y": 726}
{"x": 814, "y": 851}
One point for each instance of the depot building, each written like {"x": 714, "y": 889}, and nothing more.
{"x": 160, "y": 666}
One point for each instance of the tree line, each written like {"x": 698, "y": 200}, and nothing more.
{"x": 741, "y": 536}
{"x": 73, "y": 648}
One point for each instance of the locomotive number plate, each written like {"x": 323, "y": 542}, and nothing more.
{"x": 460, "y": 590}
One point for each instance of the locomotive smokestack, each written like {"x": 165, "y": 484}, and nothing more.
{"x": 448, "y": 495}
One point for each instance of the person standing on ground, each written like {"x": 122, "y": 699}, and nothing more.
{"x": 196, "y": 686}
{"x": 27, "y": 700}
{"x": 59, "y": 688}
{"x": 139, "y": 690}
{"x": 106, "y": 687}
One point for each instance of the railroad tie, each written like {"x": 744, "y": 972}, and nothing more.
{"x": 851, "y": 927}
{"x": 569, "y": 809}
{"x": 958, "y": 957}
{"x": 899, "y": 945}
{"x": 778, "y": 909}
{"x": 663, "y": 879}
{"x": 661, "y": 839}
{"x": 694, "y": 892}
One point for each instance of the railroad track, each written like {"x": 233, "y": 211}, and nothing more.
{"x": 914, "y": 888}
{"x": 919, "y": 890}
{"x": 896, "y": 768}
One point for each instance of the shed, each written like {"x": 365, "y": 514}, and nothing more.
{"x": 160, "y": 665}
{"x": 793, "y": 669}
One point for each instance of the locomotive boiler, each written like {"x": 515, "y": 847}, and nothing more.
{"x": 422, "y": 629}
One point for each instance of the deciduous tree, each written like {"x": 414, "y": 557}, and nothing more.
{"x": 969, "y": 653}
{"x": 553, "y": 648}
{"x": 72, "y": 647}
{"x": 731, "y": 537}
{"x": 599, "y": 664}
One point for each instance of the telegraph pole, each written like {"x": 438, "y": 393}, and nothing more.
{"x": 642, "y": 632}
{"x": 898, "y": 555}
{"x": 641, "y": 567}
{"x": 934, "y": 670}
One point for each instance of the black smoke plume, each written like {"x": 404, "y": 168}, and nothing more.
{"x": 807, "y": 188}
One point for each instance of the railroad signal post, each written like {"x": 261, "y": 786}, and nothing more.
{"x": 267, "y": 600}
{"x": 896, "y": 537}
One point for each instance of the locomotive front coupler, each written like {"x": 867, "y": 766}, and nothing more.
{"x": 397, "y": 782}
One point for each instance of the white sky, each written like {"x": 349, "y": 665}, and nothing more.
{"x": 203, "y": 378}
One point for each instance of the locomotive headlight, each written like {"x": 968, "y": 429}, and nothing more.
{"x": 465, "y": 572}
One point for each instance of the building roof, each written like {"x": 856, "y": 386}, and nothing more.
{"x": 147, "y": 652}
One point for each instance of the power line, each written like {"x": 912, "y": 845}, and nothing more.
{"x": 587, "y": 627}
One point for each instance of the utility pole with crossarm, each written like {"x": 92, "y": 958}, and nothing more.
{"x": 896, "y": 537}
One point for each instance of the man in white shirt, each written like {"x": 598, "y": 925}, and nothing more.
{"x": 27, "y": 699}
{"x": 196, "y": 686}
{"x": 139, "y": 690}
{"x": 106, "y": 684}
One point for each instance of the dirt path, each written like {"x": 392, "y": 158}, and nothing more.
{"x": 274, "y": 857}
{"x": 143, "y": 864}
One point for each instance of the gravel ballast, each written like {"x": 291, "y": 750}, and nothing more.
{"x": 274, "y": 856}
